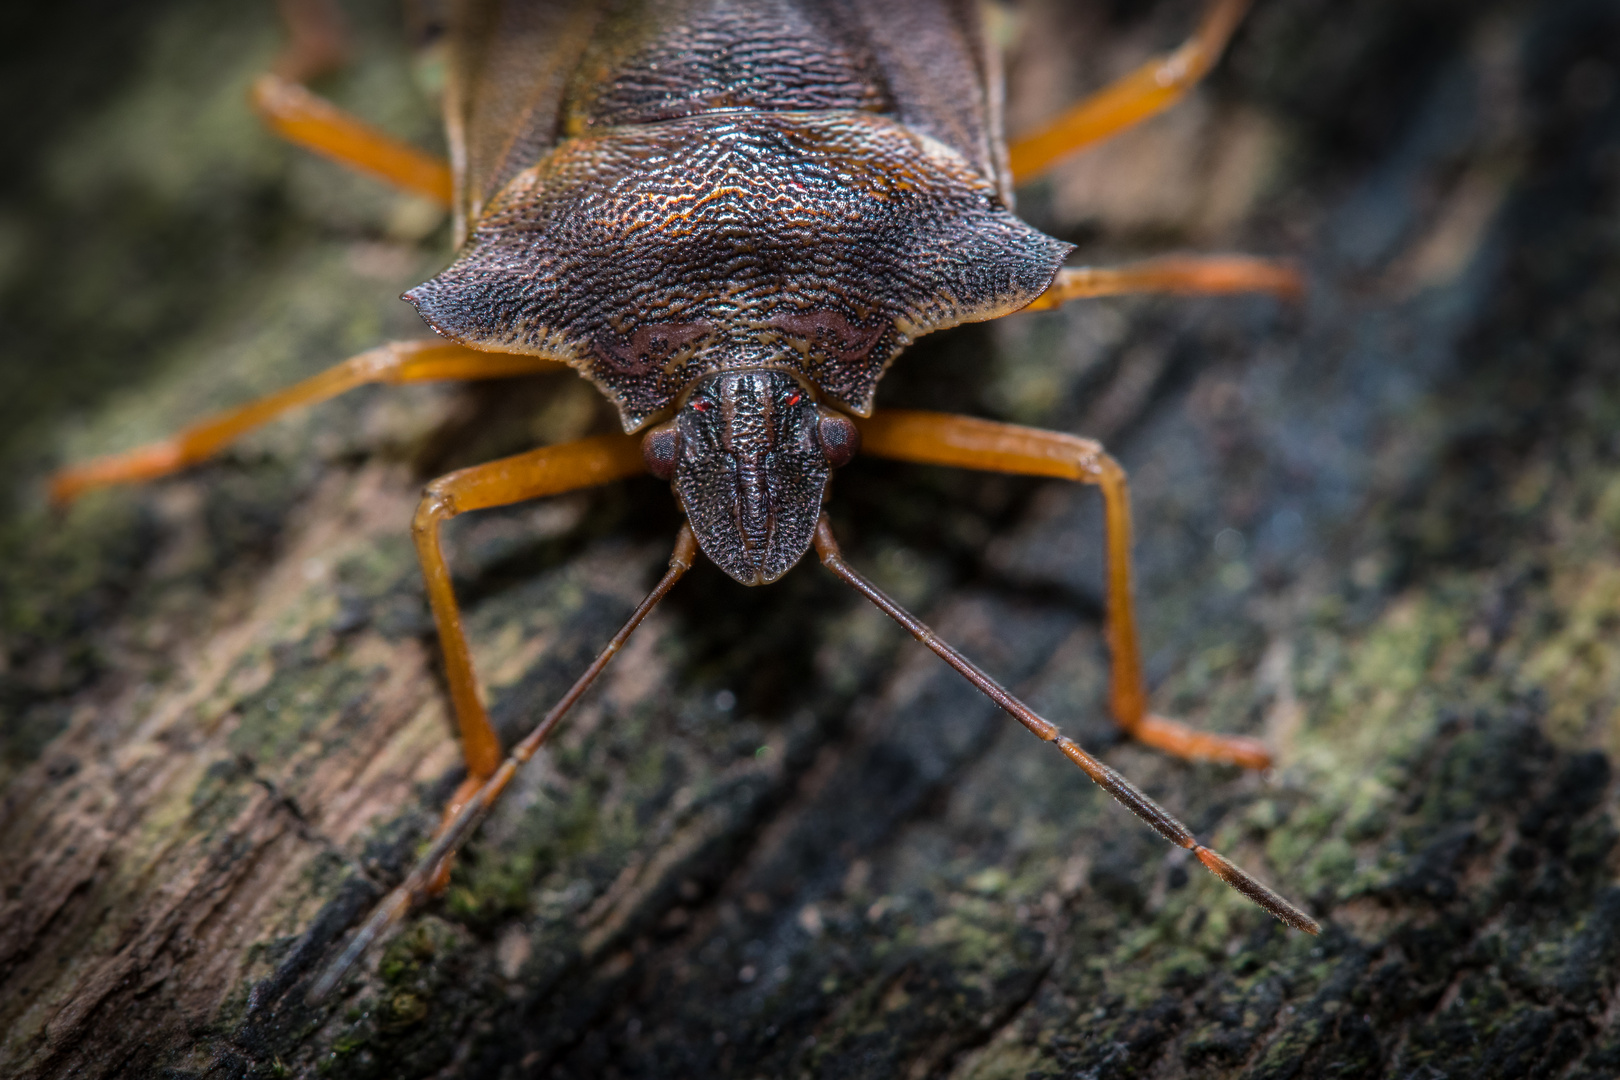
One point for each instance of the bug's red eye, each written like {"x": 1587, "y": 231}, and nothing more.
{"x": 700, "y": 405}
{"x": 796, "y": 398}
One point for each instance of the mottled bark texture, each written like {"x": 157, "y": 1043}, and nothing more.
{"x": 780, "y": 840}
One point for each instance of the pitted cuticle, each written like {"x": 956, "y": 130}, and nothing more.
{"x": 750, "y": 470}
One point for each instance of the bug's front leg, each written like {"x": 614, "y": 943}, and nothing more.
{"x": 1132, "y": 797}
{"x": 550, "y": 470}
{"x": 968, "y": 443}
{"x": 428, "y": 874}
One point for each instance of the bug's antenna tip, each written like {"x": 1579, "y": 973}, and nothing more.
{"x": 389, "y": 912}
{"x": 327, "y": 981}
{"x": 333, "y": 973}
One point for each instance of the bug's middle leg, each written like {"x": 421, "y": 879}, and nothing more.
{"x": 969, "y": 443}
{"x": 1188, "y": 275}
{"x": 550, "y": 470}
{"x": 1131, "y": 796}
{"x": 396, "y": 362}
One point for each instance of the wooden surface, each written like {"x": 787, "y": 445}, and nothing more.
{"x": 781, "y": 840}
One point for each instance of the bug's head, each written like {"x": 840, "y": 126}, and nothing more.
{"x": 749, "y": 454}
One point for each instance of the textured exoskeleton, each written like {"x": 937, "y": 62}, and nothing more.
{"x": 696, "y": 190}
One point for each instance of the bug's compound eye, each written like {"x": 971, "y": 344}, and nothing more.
{"x": 701, "y": 404}
{"x": 793, "y": 399}
{"x": 659, "y": 449}
{"x": 840, "y": 439}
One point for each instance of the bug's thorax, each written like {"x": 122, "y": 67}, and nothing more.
{"x": 749, "y": 453}
{"x": 650, "y": 256}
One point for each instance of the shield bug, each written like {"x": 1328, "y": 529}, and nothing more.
{"x": 731, "y": 217}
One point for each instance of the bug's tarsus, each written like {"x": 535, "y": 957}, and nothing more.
{"x": 1134, "y": 798}
{"x": 456, "y": 829}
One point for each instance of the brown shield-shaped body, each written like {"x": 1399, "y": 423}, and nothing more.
{"x": 658, "y": 193}
{"x": 653, "y": 191}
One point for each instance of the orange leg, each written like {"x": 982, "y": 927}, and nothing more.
{"x": 316, "y": 124}
{"x": 1132, "y": 797}
{"x": 1185, "y": 274}
{"x": 316, "y": 46}
{"x": 964, "y": 442}
{"x": 1150, "y": 89}
{"x": 398, "y": 362}
{"x": 550, "y": 470}
{"x": 460, "y": 822}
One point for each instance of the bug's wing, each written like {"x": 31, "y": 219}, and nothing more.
{"x": 525, "y": 74}
{"x": 940, "y": 72}
{"x": 511, "y": 62}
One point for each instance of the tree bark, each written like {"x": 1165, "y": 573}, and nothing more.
{"x": 779, "y": 839}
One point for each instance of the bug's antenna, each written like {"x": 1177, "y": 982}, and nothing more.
{"x": 1135, "y": 799}
{"x": 460, "y": 827}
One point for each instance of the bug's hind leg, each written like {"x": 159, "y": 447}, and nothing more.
{"x": 550, "y": 470}
{"x": 968, "y": 443}
{"x": 1150, "y": 89}
{"x": 397, "y": 362}
{"x": 316, "y": 45}
{"x": 314, "y": 123}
